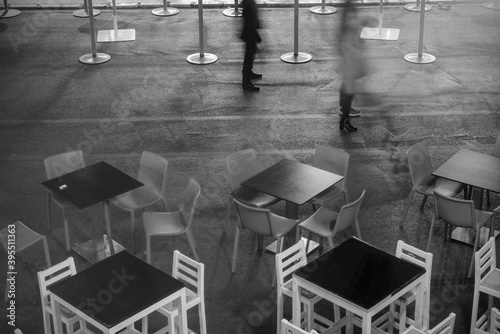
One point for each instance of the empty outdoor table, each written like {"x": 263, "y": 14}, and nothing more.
{"x": 475, "y": 170}
{"x": 361, "y": 279}
{"x": 86, "y": 187}
{"x": 116, "y": 292}
{"x": 294, "y": 182}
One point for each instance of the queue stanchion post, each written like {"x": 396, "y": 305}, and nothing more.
{"x": 201, "y": 58}
{"x": 323, "y": 9}
{"x": 84, "y": 12}
{"x": 415, "y": 7}
{"x": 420, "y": 57}
{"x": 492, "y": 5}
{"x": 116, "y": 35}
{"x": 93, "y": 58}
{"x": 380, "y": 33}
{"x": 165, "y": 10}
{"x": 296, "y": 57}
{"x": 7, "y": 13}
{"x": 233, "y": 12}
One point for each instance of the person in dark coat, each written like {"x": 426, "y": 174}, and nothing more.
{"x": 251, "y": 37}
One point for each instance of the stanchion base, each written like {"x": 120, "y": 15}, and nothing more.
{"x": 425, "y": 59}
{"x": 413, "y": 7}
{"x": 491, "y": 5}
{"x": 9, "y": 13}
{"x": 231, "y": 12}
{"x": 323, "y": 10}
{"x": 168, "y": 12}
{"x": 296, "y": 58}
{"x": 386, "y": 34}
{"x": 120, "y": 35}
{"x": 82, "y": 13}
{"x": 206, "y": 59}
{"x": 98, "y": 59}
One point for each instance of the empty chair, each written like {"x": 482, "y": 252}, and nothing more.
{"x": 55, "y": 166}
{"x": 192, "y": 274}
{"x": 444, "y": 327}
{"x": 289, "y": 328}
{"x": 173, "y": 223}
{"x": 424, "y": 260}
{"x": 153, "y": 174}
{"x": 261, "y": 222}
{"x": 423, "y": 182}
{"x": 459, "y": 213}
{"x": 241, "y": 166}
{"x": 486, "y": 280}
{"x": 24, "y": 239}
{"x": 326, "y": 223}
{"x": 495, "y": 321}
{"x": 48, "y": 277}
{"x": 335, "y": 161}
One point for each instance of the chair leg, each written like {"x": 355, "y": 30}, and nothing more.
{"x": 203, "y": 319}
{"x": 193, "y": 244}
{"x": 430, "y": 233}
{"x": 358, "y": 231}
{"x": 402, "y": 317}
{"x": 410, "y": 198}
{"x": 235, "y": 251}
{"x": 148, "y": 249}
{"x": 132, "y": 226}
{"x": 330, "y": 241}
{"x": 228, "y": 213}
{"x": 49, "y": 209}
{"x": 279, "y": 310}
{"x": 475, "y": 306}
{"x": 66, "y": 230}
{"x": 423, "y": 202}
{"x": 476, "y": 243}
{"x": 47, "y": 254}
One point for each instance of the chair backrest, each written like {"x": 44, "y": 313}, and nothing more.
{"x": 457, "y": 212}
{"x": 255, "y": 219}
{"x": 190, "y": 272}
{"x": 496, "y": 148}
{"x": 63, "y": 163}
{"x": 289, "y": 260}
{"x": 444, "y": 327}
{"x": 52, "y": 275}
{"x": 241, "y": 166}
{"x": 485, "y": 260}
{"x": 332, "y": 160}
{"x": 419, "y": 163}
{"x": 289, "y": 328}
{"x": 495, "y": 321}
{"x": 153, "y": 172}
{"x": 188, "y": 204}
{"x": 347, "y": 215}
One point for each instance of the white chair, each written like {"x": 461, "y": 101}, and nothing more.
{"x": 153, "y": 174}
{"x": 287, "y": 262}
{"x": 486, "y": 280}
{"x": 289, "y": 328}
{"x": 241, "y": 166}
{"x": 192, "y": 274}
{"x": 460, "y": 213}
{"x": 55, "y": 166}
{"x": 335, "y": 161}
{"x": 495, "y": 321}
{"x": 24, "y": 239}
{"x": 261, "y": 222}
{"x": 327, "y": 223}
{"x": 424, "y": 260}
{"x": 444, "y": 327}
{"x": 173, "y": 223}
{"x": 423, "y": 182}
{"x": 48, "y": 277}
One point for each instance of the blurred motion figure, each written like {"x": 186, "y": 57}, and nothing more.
{"x": 251, "y": 37}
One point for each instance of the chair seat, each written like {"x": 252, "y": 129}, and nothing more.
{"x": 254, "y": 197}
{"x": 191, "y": 299}
{"x": 287, "y": 290}
{"x": 319, "y": 222}
{"x": 491, "y": 283}
{"x": 482, "y": 218}
{"x": 163, "y": 223}
{"x": 136, "y": 199}
{"x": 327, "y": 195}
{"x": 443, "y": 186}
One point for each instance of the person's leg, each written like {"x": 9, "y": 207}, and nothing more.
{"x": 345, "y": 102}
{"x": 250, "y": 50}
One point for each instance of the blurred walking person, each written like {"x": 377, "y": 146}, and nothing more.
{"x": 251, "y": 37}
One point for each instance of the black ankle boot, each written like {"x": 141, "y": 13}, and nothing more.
{"x": 345, "y": 123}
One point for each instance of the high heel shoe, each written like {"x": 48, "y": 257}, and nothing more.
{"x": 345, "y": 123}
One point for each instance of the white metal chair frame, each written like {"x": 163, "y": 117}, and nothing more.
{"x": 444, "y": 327}
{"x": 495, "y": 321}
{"x": 289, "y": 328}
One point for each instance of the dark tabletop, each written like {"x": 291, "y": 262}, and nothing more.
{"x": 292, "y": 181}
{"x": 92, "y": 184}
{"x": 360, "y": 273}
{"x": 116, "y": 288}
{"x": 472, "y": 168}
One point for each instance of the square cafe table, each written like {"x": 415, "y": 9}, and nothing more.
{"x": 86, "y": 187}
{"x": 116, "y": 292}
{"x": 361, "y": 279}
{"x": 294, "y": 182}
{"x": 475, "y": 170}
